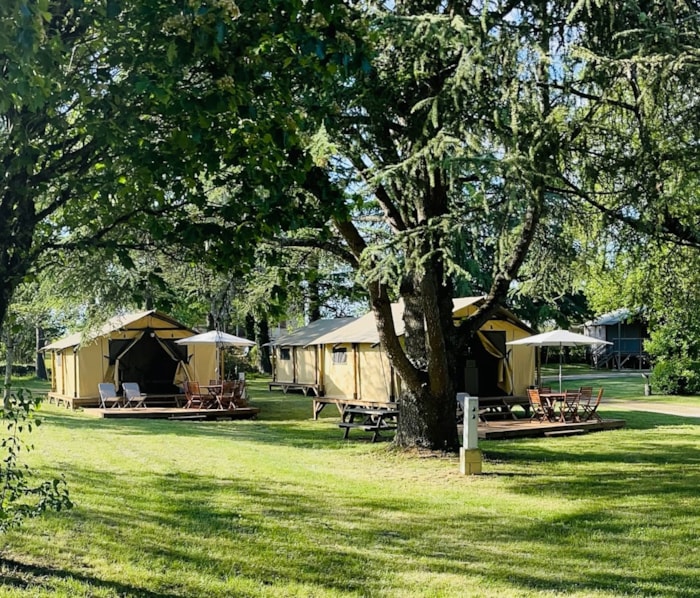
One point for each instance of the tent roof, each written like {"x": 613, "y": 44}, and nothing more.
{"x": 364, "y": 329}
{"x": 307, "y": 335}
{"x": 361, "y": 330}
{"x": 115, "y": 323}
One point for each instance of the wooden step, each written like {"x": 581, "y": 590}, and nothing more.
{"x": 571, "y": 432}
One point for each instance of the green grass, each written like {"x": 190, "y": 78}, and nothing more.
{"x": 568, "y": 369}
{"x": 282, "y": 506}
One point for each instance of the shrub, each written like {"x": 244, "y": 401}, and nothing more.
{"x": 679, "y": 376}
{"x": 20, "y": 495}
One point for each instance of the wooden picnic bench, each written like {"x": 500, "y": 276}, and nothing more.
{"x": 369, "y": 419}
{"x": 287, "y": 386}
{"x": 497, "y": 408}
{"x": 343, "y": 403}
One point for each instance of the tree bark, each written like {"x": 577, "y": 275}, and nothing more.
{"x": 314, "y": 289}
{"x": 40, "y": 366}
{"x": 9, "y": 358}
{"x": 249, "y": 326}
{"x": 262, "y": 337}
{"x": 17, "y": 226}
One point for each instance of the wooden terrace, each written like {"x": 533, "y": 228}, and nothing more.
{"x": 524, "y": 428}
{"x": 500, "y": 418}
{"x": 173, "y": 413}
{"x": 160, "y": 400}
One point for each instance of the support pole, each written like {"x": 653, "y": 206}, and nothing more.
{"x": 470, "y": 458}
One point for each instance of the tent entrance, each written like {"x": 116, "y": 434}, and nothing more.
{"x": 150, "y": 361}
{"x": 484, "y": 366}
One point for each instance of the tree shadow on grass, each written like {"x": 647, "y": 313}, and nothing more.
{"x": 374, "y": 542}
{"x": 23, "y": 576}
{"x": 303, "y": 434}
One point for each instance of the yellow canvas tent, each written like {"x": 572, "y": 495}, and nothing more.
{"x": 492, "y": 368}
{"x": 296, "y": 358}
{"x": 137, "y": 347}
{"x": 353, "y": 366}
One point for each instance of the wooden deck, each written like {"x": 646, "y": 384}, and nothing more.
{"x": 174, "y": 413}
{"x": 287, "y": 386}
{"x": 524, "y": 428}
{"x": 154, "y": 400}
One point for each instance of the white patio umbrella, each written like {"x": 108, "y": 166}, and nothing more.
{"x": 220, "y": 339}
{"x": 558, "y": 338}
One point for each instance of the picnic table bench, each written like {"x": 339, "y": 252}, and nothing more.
{"x": 287, "y": 386}
{"x": 497, "y": 408}
{"x": 342, "y": 403}
{"x": 369, "y": 419}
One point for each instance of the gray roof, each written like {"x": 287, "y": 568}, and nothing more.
{"x": 307, "y": 335}
{"x": 364, "y": 329}
{"x": 617, "y": 316}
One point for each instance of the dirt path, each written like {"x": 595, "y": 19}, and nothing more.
{"x": 665, "y": 408}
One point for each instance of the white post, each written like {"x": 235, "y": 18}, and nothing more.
{"x": 469, "y": 453}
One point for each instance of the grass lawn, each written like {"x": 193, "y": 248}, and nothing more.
{"x": 282, "y": 506}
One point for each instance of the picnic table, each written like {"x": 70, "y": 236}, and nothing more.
{"x": 369, "y": 419}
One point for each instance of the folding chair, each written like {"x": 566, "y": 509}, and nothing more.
{"x": 238, "y": 392}
{"x": 196, "y": 399}
{"x": 570, "y": 406}
{"x": 133, "y": 396}
{"x": 590, "y": 409}
{"x": 108, "y": 395}
{"x": 540, "y": 410}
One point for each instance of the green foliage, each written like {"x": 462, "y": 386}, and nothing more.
{"x": 674, "y": 347}
{"x": 20, "y": 496}
{"x": 428, "y": 145}
{"x": 679, "y": 376}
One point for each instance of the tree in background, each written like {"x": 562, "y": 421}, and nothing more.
{"x": 406, "y": 139}
{"x": 467, "y": 134}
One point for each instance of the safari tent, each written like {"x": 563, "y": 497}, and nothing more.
{"x": 296, "y": 358}
{"x": 138, "y": 347}
{"x": 353, "y": 365}
{"x": 491, "y": 367}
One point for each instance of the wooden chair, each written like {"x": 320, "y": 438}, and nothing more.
{"x": 590, "y": 409}
{"x": 545, "y": 389}
{"x": 108, "y": 395}
{"x": 540, "y": 409}
{"x": 233, "y": 395}
{"x": 570, "y": 405}
{"x": 194, "y": 396}
{"x": 132, "y": 395}
{"x": 196, "y": 399}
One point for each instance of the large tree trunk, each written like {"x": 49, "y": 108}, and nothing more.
{"x": 17, "y": 225}
{"x": 428, "y": 412}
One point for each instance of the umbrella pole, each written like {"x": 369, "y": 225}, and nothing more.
{"x": 560, "y": 360}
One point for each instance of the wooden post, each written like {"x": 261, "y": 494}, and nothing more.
{"x": 470, "y": 458}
